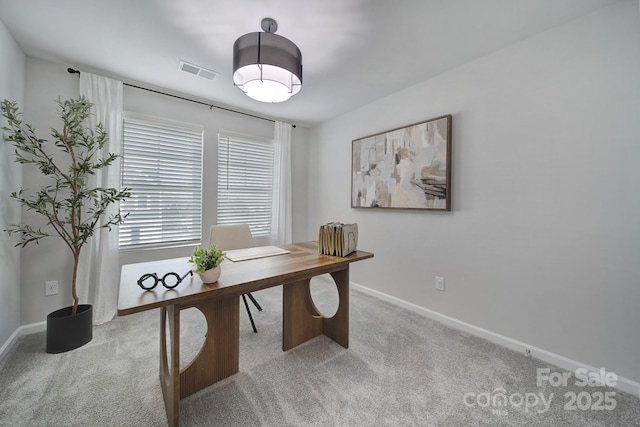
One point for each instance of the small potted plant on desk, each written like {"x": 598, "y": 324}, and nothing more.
{"x": 207, "y": 262}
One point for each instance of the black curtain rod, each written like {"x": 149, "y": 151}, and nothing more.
{"x": 211, "y": 106}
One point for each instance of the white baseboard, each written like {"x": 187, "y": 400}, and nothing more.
{"x": 22, "y": 330}
{"x": 33, "y": 328}
{"x": 9, "y": 343}
{"x": 623, "y": 384}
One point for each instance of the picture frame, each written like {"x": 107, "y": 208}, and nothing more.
{"x": 404, "y": 168}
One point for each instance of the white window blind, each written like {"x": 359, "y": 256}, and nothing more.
{"x": 245, "y": 180}
{"x": 162, "y": 165}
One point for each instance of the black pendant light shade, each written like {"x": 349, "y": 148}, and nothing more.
{"x": 267, "y": 67}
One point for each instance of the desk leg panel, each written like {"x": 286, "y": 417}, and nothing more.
{"x": 220, "y": 353}
{"x": 337, "y": 326}
{"x": 170, "y": 369}
{"x": 300, "y": 319}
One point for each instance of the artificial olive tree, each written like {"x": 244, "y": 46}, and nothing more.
{"x": 71, "y": 206}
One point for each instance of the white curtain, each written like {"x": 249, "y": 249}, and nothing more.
{"x": 99, "y": 269}
{"x": 281, "y": 208}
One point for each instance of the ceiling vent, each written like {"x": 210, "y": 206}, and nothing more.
{"x": 196, "y": 70}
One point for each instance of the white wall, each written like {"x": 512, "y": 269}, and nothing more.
{"x": 45, "y": 82}
{"x": 543, "y": 243}
{"x": 51, "y": 258}
{"x": 12, "y": 75}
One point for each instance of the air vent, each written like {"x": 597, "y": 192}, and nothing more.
{"x": 197, "y": 70}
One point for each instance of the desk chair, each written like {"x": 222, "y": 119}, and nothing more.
{"x": 230, "y": 237}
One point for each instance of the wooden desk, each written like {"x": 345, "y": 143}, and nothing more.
{"x": 219, "y": 302}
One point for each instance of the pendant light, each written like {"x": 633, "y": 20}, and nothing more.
{"x": 267, "y": 67}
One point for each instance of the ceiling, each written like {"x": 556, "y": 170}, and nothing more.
{"x": 353, "y": 51}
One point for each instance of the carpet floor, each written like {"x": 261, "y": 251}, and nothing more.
{"x": 401, "y": 369}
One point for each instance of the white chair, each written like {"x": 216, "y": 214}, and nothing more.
{"x": 230, "y": 237}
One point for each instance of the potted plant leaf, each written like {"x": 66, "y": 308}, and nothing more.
{"x": 71, "y": 207}
{"x": 207, "y": 262}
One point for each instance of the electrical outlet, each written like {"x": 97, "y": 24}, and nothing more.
{"x": 51, "y": 288}
{"x": 440, "y": 283}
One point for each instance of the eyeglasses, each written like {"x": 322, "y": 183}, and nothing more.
{"x": 170, "y": 280}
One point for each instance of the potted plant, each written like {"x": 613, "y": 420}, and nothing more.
{"x": 207, "y": 262}
{"x": 70, "y": 206}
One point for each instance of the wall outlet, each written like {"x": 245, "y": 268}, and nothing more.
{"x": 440, "y": 283}
{"x": 51, "y": 288}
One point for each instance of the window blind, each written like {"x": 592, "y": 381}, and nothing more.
{"x": 162, "y": 165}
{"x": 245, "y": 181}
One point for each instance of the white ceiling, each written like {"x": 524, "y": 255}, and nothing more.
{"x": 353, "y": 51}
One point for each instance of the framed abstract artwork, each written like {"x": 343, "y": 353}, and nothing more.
{"x": 404, "y": 168}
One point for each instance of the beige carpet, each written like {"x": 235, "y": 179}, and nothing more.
{"x": 400, "y": 369}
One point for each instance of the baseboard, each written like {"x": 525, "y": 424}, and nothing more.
{"x": 22, "y": 330}
{"x": 9, "y": 343}
{"x": 623, "y": 384}
{"x": 33, "y": 328}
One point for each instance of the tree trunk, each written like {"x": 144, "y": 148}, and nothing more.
{"x": 76, "y": 259}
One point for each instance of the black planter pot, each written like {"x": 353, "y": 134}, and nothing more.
{"x": 66, "y": 332}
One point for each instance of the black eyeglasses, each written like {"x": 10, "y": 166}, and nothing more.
{"x": 170, "y": 280}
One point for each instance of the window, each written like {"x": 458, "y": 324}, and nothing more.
{"x": 245, "y": 181}
{"x": 162, "y": 164}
